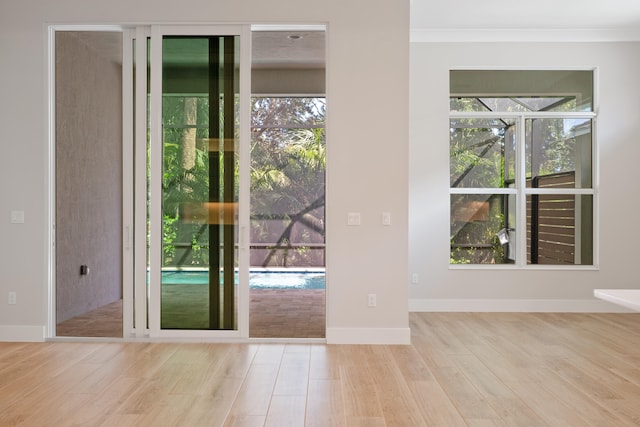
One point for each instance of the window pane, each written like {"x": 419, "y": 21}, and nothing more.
{"x": 558, "y": 153}
{"x": 467, "y": 104}
{"x": 481, "y": 232}
{"x": 477, "y": 152}
{"x": 533, "y": 90}
{"x": 288, "y": 182}
{"x": 560, "y": 229}
{"x": 200, "y": 76}
{"x": 506, "y": 104}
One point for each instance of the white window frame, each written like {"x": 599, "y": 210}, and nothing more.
{"x": 521, "y": 192}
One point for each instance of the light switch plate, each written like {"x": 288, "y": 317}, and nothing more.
{"x": 353, "y": 218}
{"x": 386, "y": 218}
{"x": 17, "y": 217}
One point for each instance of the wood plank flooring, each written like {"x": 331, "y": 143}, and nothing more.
{"x": 462, "y": 369}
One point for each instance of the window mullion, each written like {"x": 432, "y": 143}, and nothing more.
{"x": 521, "y": 198}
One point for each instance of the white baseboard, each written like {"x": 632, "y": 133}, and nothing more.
{"x": 22, "y": 333}
{"x": 515, "y": 305}
{"x": 389, "y": 336}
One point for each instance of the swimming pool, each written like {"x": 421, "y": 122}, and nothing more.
{"x": 258, "y": 279}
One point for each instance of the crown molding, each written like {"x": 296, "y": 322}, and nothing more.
{"x": 484, "y": 35}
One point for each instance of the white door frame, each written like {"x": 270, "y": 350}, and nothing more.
{"x": 155, "y": 161}
{"x": 50, "y": 316}
{"x": 138, "y": 298}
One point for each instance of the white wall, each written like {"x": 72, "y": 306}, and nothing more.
{"x": 442, "y": 288}
{"x": 367, "y": 148}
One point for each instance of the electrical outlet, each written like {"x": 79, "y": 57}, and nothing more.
{"x": 371, "y": 300}
{"x": 414, "y": 278}
{"x": 12, "y": 298}
{"x": 17, "y": 217}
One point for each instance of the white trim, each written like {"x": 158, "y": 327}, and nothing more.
{"x": 155, "y": 184}
{"x": 219, "y": 335}
{"x": 483, "y": 305}
{"x": 517, "y": 116}
{"x": 128, "y": 201}
{"x": 88, "y": 27}
{"x": 556, "y": 267}
{"x": 198, "y": 339}
{"x": 288, "y": 27}
{"x": 595, "y": 167}
{"x": 244, "y": 183}
{"x": 156, "y": 159}
{"x": 520, "y": 257}
{"x": 486, "y": 35}
{"x": 139, "y": 326}
{"x": 477, "y": 190}
{"x": 521, "y": 191}
{"x": 387, "y": 336}
{"x": 22, "y": 333}
{"x": 50, "y": 172}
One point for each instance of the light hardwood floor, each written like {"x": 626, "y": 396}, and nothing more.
{"x": 462, "y": 369}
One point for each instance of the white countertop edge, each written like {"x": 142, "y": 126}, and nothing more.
{"x": 629, "y": 298}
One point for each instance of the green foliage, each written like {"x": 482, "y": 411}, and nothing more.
{"x": 476, "y": 152}
{"x": 168, "y": 237}
{"x": 288, "y": 160}
{"x": 287, "y": 171}
{"x": 482, "y": 155}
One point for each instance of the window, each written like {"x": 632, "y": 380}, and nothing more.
{"x": 521, "y": 167}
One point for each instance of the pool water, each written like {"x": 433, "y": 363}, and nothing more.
{"x": 277, "y": 279}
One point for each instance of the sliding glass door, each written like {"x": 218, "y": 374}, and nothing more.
{"x": 197, "y": 268}
{"x": 195, "y": 103}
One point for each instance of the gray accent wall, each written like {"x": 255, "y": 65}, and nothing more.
{"x": 88, "y": 204}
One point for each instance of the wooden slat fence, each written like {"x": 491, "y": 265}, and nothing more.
{"x": 551, "y": 235}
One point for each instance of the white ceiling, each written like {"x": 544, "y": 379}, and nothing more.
{"x": 524, "y": 14}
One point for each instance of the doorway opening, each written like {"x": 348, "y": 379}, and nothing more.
{"x": 287, "y": 201}
{"x": 104, "y": 225}
{"x": 88, "y": 183}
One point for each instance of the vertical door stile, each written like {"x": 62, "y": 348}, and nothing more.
{"x": 128, "y": 183}
{"x": 155, "y": 192}
{"x": 244, "y": 182}
{"x": 140, "y": 191}
{"x": 195, "y": 184}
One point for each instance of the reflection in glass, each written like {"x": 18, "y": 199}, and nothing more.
{"x": 521, "y": 90}
{"x": 480, "y": 230}
{"x": 477, "y": 152}
{"x": 558, "y": 147}
{"x": 288, "y": 182}
{"x": 200, "y": 186}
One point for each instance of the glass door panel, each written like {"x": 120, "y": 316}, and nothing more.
{"x": 195, "y": 198}
{"x": 199, "y": 212}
